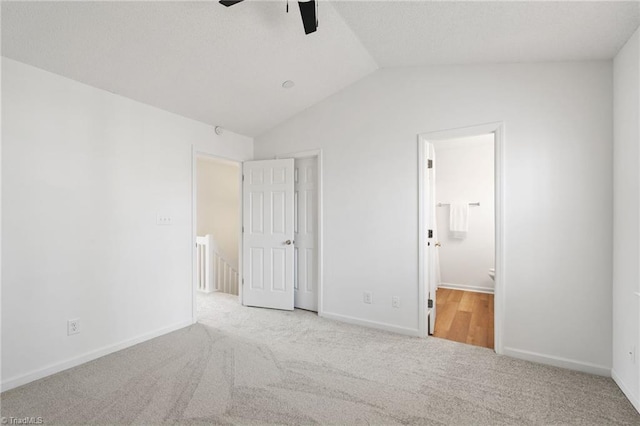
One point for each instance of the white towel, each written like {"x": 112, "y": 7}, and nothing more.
{"x": 459, "y": 220}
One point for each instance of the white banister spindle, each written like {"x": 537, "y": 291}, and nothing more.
{"x": 219, "y": 274}
{"x": 202, "y": 265}
{"x": 226, "y": 279}
{"x": 202, "y": 280}
{"x": 226, "y": 274}
{"x": 216, "y": 263}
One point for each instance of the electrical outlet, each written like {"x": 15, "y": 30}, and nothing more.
{"x": 73, "y": 326}
{"x": 367, "y": 297}
{"x": 632, "y": 354}
{"x": 395, "y": 301}
{"x": 163, "y": 219}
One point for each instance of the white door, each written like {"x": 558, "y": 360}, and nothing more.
{"x": 267, "y": 239}
{"x": 305, "y": 224}
{"x": 432, "y": 242}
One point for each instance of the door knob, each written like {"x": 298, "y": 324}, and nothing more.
{"x": 288, "y": 242}
{"x": 438, "y": 244}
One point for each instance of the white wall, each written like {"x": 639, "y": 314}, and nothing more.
{"x": 557, "y": 201}
{"x": 218, "y": 207}
{"x": 84, "y": 173}
{"x": 465, "y": 173}
{"x": 626, "y": 219}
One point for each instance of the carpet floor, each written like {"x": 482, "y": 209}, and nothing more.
{"x": 243, "y": 365}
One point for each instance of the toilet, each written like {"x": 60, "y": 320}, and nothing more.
{"x": 492, "y": 273}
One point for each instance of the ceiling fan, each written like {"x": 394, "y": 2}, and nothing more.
{"x": 307, "y": 12}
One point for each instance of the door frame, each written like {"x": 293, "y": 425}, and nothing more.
{"x": 497, "y": 128}
{"x": 195, "y": 153}
{"x": 317, "y": 153}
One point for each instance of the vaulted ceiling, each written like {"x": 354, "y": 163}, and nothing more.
{"x": 222, "y": 66}
{"x": 453, "y": 32}
{"x": 226, "y": 66}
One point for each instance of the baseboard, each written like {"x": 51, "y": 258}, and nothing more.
{"x": 635, "y": 401}
{"x": 88, "y": 356}
{"x": 556, "y": 361}
{"x": 465, "y": 287}
{"x": 372, "y": 324}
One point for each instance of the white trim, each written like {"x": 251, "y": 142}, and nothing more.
{"x": 557, "y": 361}
{"x": 500, "y": 289}
{"x": 88, "y": 356}
{"x": 422, "y": 237}
{"x": 194, "y": 231}
{"x": 463, "y": 132}
{"x": 497, "y": 128}
{"x": 465, "y": 287}
{"x": 633, "y": 399}
{"x": 300, "y": 154}
{"x": 372, "y": 324}
{"x": 318, "y": 154}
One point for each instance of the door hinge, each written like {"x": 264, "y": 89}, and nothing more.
{"x": 243, "y": 229}
{"x": 243, "y": 178}
{"x": 429, "y": 164}
{"x": 430, "y": 303}
{"x": 430, "y": 233}
{"x": 243, "y": 281}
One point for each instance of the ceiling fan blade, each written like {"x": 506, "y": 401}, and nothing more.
{"x": 309, "y": 17}
{"x": 229, "y": 2}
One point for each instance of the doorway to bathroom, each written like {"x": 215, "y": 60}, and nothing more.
{"x": 460, "y": 249}
{"x": 464, "y": 234}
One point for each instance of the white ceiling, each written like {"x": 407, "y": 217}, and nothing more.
{"x": 222, "y": 66}
{"x": 225, "y": 66}
{"x": 412, "y": 33}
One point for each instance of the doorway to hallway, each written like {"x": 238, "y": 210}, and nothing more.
{"x": 274, "y": 210}
{"x": 217, "y": 227}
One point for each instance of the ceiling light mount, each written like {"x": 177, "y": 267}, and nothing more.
{"x": 288, "y": 84}
{"x": 219, "y": 130}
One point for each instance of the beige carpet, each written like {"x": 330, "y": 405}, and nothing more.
{"x": 257, "y": 366}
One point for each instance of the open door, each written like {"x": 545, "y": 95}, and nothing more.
{"x": 306, "y": 225}
{"x": 432, "y": 241}
{"x": 267, "y": 238}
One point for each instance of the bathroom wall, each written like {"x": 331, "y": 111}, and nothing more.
{"x": 218, "y": 205}
{"x": 465, "y": 173}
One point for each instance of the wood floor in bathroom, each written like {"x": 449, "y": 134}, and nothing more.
{"x": 464, "y": 316}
